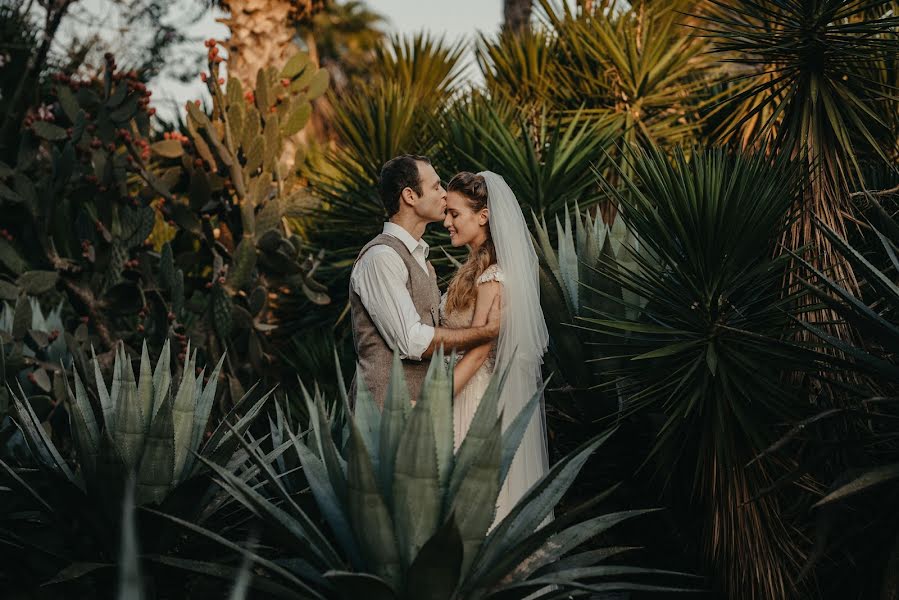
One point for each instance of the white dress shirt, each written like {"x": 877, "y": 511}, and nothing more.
{"x": 380, "y": 277}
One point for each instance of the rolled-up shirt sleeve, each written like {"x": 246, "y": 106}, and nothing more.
{"x": 379, "y": 278}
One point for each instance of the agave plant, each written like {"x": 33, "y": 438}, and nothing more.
{"x": 706, "y": 354}
{"x": 145, "y": 428}
{"x": 35, "y": 342}
{"x": 572, "y": 287}
{"x": 410, "y": 518}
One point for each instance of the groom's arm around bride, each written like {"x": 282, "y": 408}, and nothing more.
{"x": 394, "y": 298}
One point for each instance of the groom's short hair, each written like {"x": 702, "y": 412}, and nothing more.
{"x": 397, "y": 174}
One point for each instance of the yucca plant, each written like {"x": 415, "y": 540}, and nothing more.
{"x": 548, "y": 162}
{"x": 521, "y": 67}
{"x": 812, "y": 82}
{"x": 636, "y": 66}
{"x": 145, "y": 428}
{"x": 705, "y": 354}
{"x": 410, "y": 518}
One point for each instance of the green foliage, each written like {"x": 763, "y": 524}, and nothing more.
{"x": 859, "y": 475}
{"x": 571, "y": 288}
{"x": 548, "y": 163}
{"x": 147, "y": 428}
{"x": 814, "y": 80}
{"x": 706, "y": 347}
{"x": 409, "y": 517}
{"x": 180, "y": 237}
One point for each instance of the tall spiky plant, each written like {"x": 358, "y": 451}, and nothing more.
{"x": 811, "y": 84}
{"x": 636, "y": 66}
{"x": 705, "y": 352}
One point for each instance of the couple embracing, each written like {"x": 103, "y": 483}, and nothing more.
{"x": 490, "y": 314}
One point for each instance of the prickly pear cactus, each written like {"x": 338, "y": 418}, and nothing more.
{"x": 164, "y": 236}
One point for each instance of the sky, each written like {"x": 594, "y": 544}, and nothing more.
{"x": 454, "y": 18}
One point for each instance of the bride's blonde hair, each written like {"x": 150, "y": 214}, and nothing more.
{"x": 462, "y": 290}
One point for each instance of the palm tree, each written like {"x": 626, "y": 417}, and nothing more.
{"x": 517, "y": 14}
{"x": 262, "y": 32}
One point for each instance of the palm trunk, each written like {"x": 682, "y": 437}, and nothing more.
{"x": 517, "y": 14}
{"x": 261, "y": 34}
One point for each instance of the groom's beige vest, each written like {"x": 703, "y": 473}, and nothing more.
{"x": 374, "y": 356}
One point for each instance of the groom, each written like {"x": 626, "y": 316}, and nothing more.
{"x": 394, "y": 297}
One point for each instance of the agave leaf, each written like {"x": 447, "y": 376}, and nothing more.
{"x": 129, "y": 425}
{"x": 115, "y": 390}
{"x": 183, "y": 412}
{"x": 262, "y": 562}
{"x": 368, "y": 512}
{"x": 534, "y": 506}
{"x": 156, "y": 474}
{"x": 545, "y": 547}
{"x": 145, "y": 387}
{"x": 162, "y": 378}
{"x": 38, "y": 439}
{"x": 475, "y": 501}
{"x": 584, "y": 559}
{"x": 130, "y": 584}
{"x": 869, "y": 478}
{"x": 368, "y": 420}
{"x": 435, "y": 571}
{"x": 201, "y": 416}
{"x": 568, "y": 580}
{"x": 76, "y": 570}
{"x": 515, "y": 431}
{"x": 221, "y": 453}
{"x": 478, "y": 434}
{"x": 393, "y": 421}
{"x": 221, "y": 429}
{"x": 15, "y": 477}
{"x": 106, "y": 404}
{"x": 277, "y": 437}
{"x": 84, "y": 426}
{"x": 220, "y": 571}
{"x": 360, "y": 585}
{"x": 437, "y": 394}
{"x": 295, "y": 531}
{"x": 416, "y": 484}
{"x": 312, "y": 532}
{"x": 112, "y": 472}
{"x": 333, "y": 461}
{"x": 326, "y": 498}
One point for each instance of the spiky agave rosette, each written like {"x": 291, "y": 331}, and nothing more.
{"x": 408, "y": 517}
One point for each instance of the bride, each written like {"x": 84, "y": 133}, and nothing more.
{"x": 483, "y": 213}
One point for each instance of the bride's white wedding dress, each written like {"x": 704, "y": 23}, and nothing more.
{"x": 466, "y": 403}
{"x": 529, "y": 464}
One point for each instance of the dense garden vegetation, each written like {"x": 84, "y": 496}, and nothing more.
{"x": 712, "y": 190}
